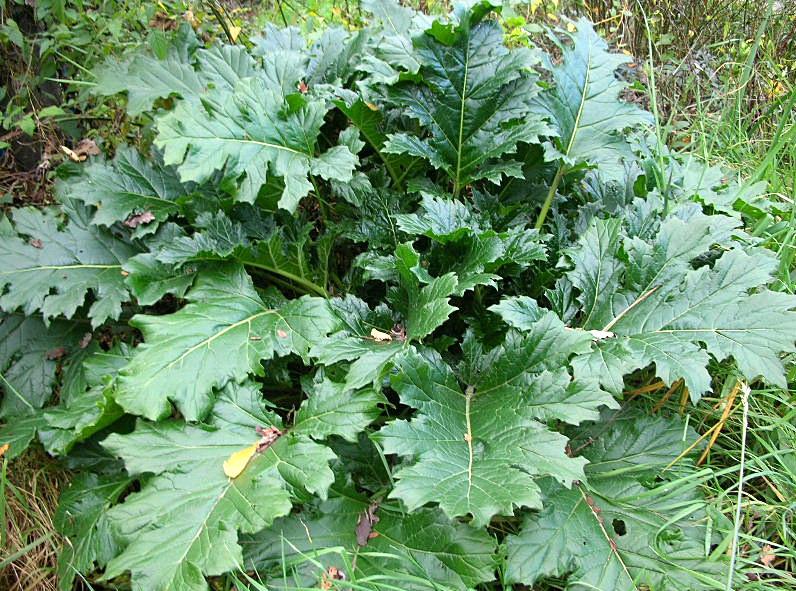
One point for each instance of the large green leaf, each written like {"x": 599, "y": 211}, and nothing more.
{"x": 658, "y": 308}
{"x": 354, "y": 342}
{"x": 54, "y": 266}
{"x": 19, "y": 433}
{"x": 584, "y": 106}
{"x": 421, "y": 551}
{"x": 149, "y": 280}
{"x": 184, "y": 522}
{"x": 82, "y": 520}
{"x": 474, "y": 98}
{"x": 263, "y": 127}
{"x": 369, "y": 121}
{"x": 469, "y": 246}
{"x": 126, "y": 187}
{"x": 281, "y": 249}
{"x": 29, "y": 355}
{"x": 146, "y": 78}
{"x": 333, "y": 409}
{"x": 88, "y": 410}
{"x": 223, "y": 334}
{"x": 390, "y": 42}
{"x": 423, "y": 300}
{"x": 618, "y": 532}
{"x": 532, "y": 366}
{"x": 477, "y": 451}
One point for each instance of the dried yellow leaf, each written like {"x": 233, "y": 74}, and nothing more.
{"x": 237, "y": 462}
{"x": 74, "y": 156}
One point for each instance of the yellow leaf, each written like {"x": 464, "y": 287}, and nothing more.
{"x": 234, "y": 32}
{"x": 238, "y": 461}
{"x": 4, "y": 449}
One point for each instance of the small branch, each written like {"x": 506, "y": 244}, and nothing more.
{"x": 669, "y": 392}
{"x": 722, "y": 421}
{"x": 737, "y": 525}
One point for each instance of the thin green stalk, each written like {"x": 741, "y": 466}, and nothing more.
{"x": 746, "y": 75}
{"x": 75, "y": 64}
{"x": 3, "y": 523}
{"x": 737, "y": 529}
{"x": 306, "y": 284}
{"x": 217, "y": 11}
{"x": 75, "y": 82}
{"x": 548, "y": 202}
{"x": 780, "y": 139}
{"x": 662, "y": 182}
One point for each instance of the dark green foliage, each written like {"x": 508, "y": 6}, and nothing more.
{"x": 313, "y": 327}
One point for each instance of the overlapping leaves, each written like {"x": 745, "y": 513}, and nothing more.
{"x": 368, "y": 382}
{"x": 660, "y": 307}
{"x": 423, "y": 549}
{"x": 183, "y": 524}
{"x": 222, "y": 335}
{"x": 479, "y": 447}
{"x": 474, "y": 99}
{"x": 615, "y": 531}
{"x": 129, "y": 189}
{"x": 584, "y": 106}
{"x": 263, "y": 127}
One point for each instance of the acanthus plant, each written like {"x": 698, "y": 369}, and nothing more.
{"x": 366, "y": 306}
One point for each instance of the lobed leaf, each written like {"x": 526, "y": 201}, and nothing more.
{"x": 616, "y": 531}
{"x": 222, "y": 335}
{"x": 53, "y": 267}
{"x": 184, "y": 523}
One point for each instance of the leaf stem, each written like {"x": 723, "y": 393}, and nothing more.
{"x": 305, "y": 283}
{"x": 308, "y": 285}
{"x": 550, "y": 196}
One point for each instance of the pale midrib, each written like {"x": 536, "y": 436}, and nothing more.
{"x": 203, "y": 524}
{"x": 461, "y": 120}
{"x": 583, "y": 96}
{"x": 575, "y": 129}
{"x": 256, "y": 142}
{"x": 614, "y": 550}
{"x": 713, "y": 330}
{"x": 16, "y": 392}
{"x": 468, "y": 396}
{"x": 58, "y": 268}
{"x": 206, "y": 342}
{"x": 148, "y": 197}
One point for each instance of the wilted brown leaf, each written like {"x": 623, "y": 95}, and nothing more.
{"x": 367, "y": 520}
{"x": 767, "y": 555}
{"x": 54, "y": 354}
{"x": 141, "y": 218}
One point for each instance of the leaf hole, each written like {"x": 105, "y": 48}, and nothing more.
{"x": 619, "y": 527}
